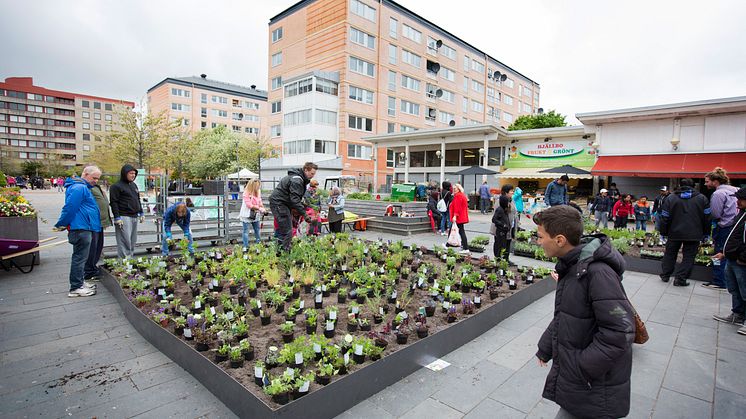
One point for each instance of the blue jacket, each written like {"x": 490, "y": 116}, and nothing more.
{"x": 556, "y": 194}
{"x": 518, "y": 199}
{"x": 170, "y": 217}
{"x": 81, "y": 210}
{"x": 484, "y": 191}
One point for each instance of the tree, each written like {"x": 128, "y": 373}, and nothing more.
{"x": 53, "y": 165}
{"x": 220, "y": 151}
{"x": 181, "y": 150}
{"x": 550, "y": 119}
{"x": 32, "y": 168}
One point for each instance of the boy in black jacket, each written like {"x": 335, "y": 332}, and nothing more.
{"x": 735, "y": 270}
{"x": 124, "y": 199}
{"x": 590, "y": 338}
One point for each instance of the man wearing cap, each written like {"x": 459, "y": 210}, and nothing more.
{"x": 657, "y": 205}
{"x": 556, "y": 193}
{"x": 724, "y": 210}
{"x": 601, "y": 207}
{"x": 734, "y": 252}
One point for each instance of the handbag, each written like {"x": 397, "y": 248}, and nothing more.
{"x": 442, "y": 207}
{"x": 493, "y": 229}
{"x": 247, "y": 213}
{"x": 454, "y": 238}
{"x": 641, "y": 332}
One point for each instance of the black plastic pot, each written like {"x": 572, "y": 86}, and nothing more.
{"x": 241, "y": 300}
{"x": 365, "y": 327}
{"x": 249, "y": 355}
{"x": 402, "y": 339}
{"x": 323, "y": 379}
{"x": 178, "y": 331}
{"x": 220, "y": 358}
{"x": 280, "y": 308}
{"x": 252, "y": 293}
{"x": 341, "y": 299}
{"x": 297, "y": 394}
{"x": 429, "y": 311}
{"x": 218, "y": 288}
{"x": 237, "y": 363}
{"x": 233, "y": 289}
{"x": 255, "y": 312}
{"x": 266, "y": 320}
{"x": 450, "y": 319}
{"x": 287, "y": 338}
{"x": 494, "y": 294}
{"x": 201, "y": 347}
{"x": 310, "y": 329}
{"x": 422, "y": 333}
{"x": 359, "y": 359}
{"x": 351, "y": 327}
{"x": 377, "y": 319}
{"x": 329, "y": 334}
{"x": 282, "y": 398}
{"x": 318, "y": 305}
{"x": 360, "y": 299}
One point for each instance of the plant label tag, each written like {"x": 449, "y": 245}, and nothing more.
{"x": 380, "y": 311}
{"x": 355, "y": 309}
{"x": 147, "y": 272}
{"x": 404, "y": 315}
{"x": 372, "y": 274}
{"x": 448, "y": 288}
{"x": 218, "y": 256}
{"x": 187, "y": 333}
{"x": 329, "y": 325}
{"x": 446, "y": 304}
{"x": 424, "y": 271}
{"x": 183, "y": 267}
{"x": 212, "y": 310}
{"x": 358, "y": 350}
{"x": 420, "y": 281}
{"x": 530, "y": 278}
{"x": 259, "y": 303}
{"x": 502, "y": 272}
{"x": 215, "y": 283}
{"x": 304, "y": 387}
{"x": 393, "y": 294}
{"x": 421, "y": 310}
{"x": 129, "y": 267}
{"x": 290, "y": 372}
{"x": 435, "y": 284}
{"x": 477, "y": 299}
{"x": 197, "y": 304}
{"x": 511, "y": 282}
{"x": 318, "y": 298}
{"x": 333, "y": 315}
{"x": 245, "y": 257}
{"x": 258, "y": 372}
{"x": 382, "y": 270}
{"x": 463, "y": 272}
{"x": 414, "y": 286}
{"x": 347, "y": 358}
{"x": 162, "y": 264}
{"x": 161, "y": 291}
{"x": 316, "y": 348}
{"x": 323, "y": 288}
{"x": 298, "y": 358}
{"x": 302, "y": 304}
{"x": 229, "y": 315}
{"x": 291, "y": 280}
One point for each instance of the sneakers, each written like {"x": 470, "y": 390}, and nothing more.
{"x": 81, "y": 292}
{"x": 680, "y": 283}
{"x": 742, "y": 331}
{"x": 713, "y": 286}
{"x": 732, "y": 318}
{"x": 90, "y": 285}
{"x": 665, "y": 278}
{"x": 464, "y": 251}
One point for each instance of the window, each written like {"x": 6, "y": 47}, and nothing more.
{"x": 508, "y": 99}
{"x": 466, "y": 84}
{"x": 477, "y": 66}
{"x": 448, "y": 96}
{"x": 275, "y": 130}
{"x": 174, "y": 107}
{"x": 326, "y": 117}
{"x": 327, "y": 86}
{"x": 509, "y": 82}
{"x": 363, "y": 10}
{"x": 220, "y": 99}
{"x": 236, "y": 116}
{"x": 86, "y": 115}
{"x": 86, "y": 125}
{"x": 466, "y": 63}
{"x": 97, "y": 116}
{"x": 393, "y": 27}
{"x": 392, "y": 54}
{"x": 96, "y": 105}
{"x": 220, "y": 113}
{"x": 411, "y": 58}
{"x": 296, "y": 147}
{"x": 277, "y": 34}
{"x": 185, "y": 122}
{"x": 390, "y": 158}
{"x": 305, "y": 86}
{"x": 251, "y": 130}
{"x": 298, "y": 117}
{"x": 361, "y": 38}
{"x": 410, "y": 83}
{"x": 526, "y": 91}
{"x": 251, "y": 105}
{"x": 86, "y": 137}
{"x": 527, "y": 107}
{"x": 411, "y": 33}
{"x": 203, "y": 112}
{"x": 432, "y": 46}
{"x": 179, "y": 92}
{"x": 392, "y": 106}
{"x": 477, "y": 86}
{"x": 407, "y": 128}
{"x": 85, "y": 104}
{"x": 361, "y": 95}
{"x": 447, "y": 73}
{"x": 360, "y": 123}
{"x": 277, "y": 106}
{"x": 448, "y": 51}
{"x": 108, "y": 107}
{"x": 491, "y": 95}
{"x": 391, "y": 127}
{"x": 324, "y": 147}
{"x": 276, "y": 59}
{"x": 357, "y": 151}
{"x": 276, "y": 83}
{"x": 392, "y": 81}
{"x": 493, "y": 113}
{"x": 431, "y": 114}
{"x": 361, "y": 66}
{"x": 507, "y": 117}
{"x": 477, "y": 106}
{"x": 107, "y": 117}
{"x": 97, "y": 127}
{"x": 446, "y": 117}
{"x": 464, "y": 105}
{"x": 410, "y": 108}
{"x": 469, "y": 156}
{"x": 496, "y": 156}
{"x": 203, "y": 98}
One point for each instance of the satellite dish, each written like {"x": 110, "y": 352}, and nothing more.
{"x": 438, "y": 43}
{"x": 203, "y": 75}
{"x": 240, "y": 116}
{"x": 503, "y": 77}
{"x": 496, "y": 75}
{"x": 435, "y": 67}
{"x": 540, "y": 110}
{"x": 439, "y": 93}
{"x": 431, "y": 112}
{"x": 452, "y": 123}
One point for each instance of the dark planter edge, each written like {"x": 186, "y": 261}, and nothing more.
{"x": 652, "y": 266}
{"x": 343, "y": 393}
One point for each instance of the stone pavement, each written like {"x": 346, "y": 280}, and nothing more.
{"x": 62, "y": 357}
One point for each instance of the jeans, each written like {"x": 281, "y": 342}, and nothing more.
{"x": 641, "y": 225}
{"x": 602, "y": 217}
{"x": 687, "y": 261}
{"x": 484, "y": 204}
{"x": 164, "y": 243}
{"x": 126, "y": 237}
{"x": 735, "y": 278}
{"x": 462, "y": 233}
{"x": 284, "y": 231}
{"x": 445, "y": 222}
{"x": 245, "y": 234}
{"x": 81, "y": 241}
{"x": 719, "y": 235}
{"x": 97, "y": 246}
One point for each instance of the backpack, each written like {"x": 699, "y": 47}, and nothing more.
{"x": 442, "y": 207}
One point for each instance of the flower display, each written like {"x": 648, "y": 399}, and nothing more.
{"x": 13, "y": 204}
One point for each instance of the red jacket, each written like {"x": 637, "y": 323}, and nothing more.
{"x": 460, "y": 208}
{"x": 621, "y": 209}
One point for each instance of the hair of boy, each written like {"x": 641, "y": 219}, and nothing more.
{"x": 561, "y": 219}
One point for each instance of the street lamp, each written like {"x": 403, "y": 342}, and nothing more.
{"x": 481, "y": 156}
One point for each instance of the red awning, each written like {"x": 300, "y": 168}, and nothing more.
{"x": 670, "y": 165}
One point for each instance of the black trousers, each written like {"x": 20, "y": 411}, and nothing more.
{"x": 462, "y": 233}
{"x": 501, "y": 245}
{"x": 621, "y": 221}
{"x": 335, "y": 227}
{"x": 284, "y": 232}
{"x": 669, "y": 258}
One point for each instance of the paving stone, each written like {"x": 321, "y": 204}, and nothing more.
{"x": 670, "y": 310}
{"x": 698, "y": 338}
{"x": 514, "y": 354}
{"x": 489, "y": 409}
{"x": 365, "y": 409}
{"x": 429, "y": 409}
{"x": 52, "y": 346}
{"x": 672, "y": 405}
{"x": 521, "y": 320}
{"x": 11, "y": 317}
{"x": 403, "y": 395}
{"x": 523, "y": 389}
{"x": 161, "y": 374}
{"x": 728, "y": 404}
{"x": 729, "y": 338}
{"x": 29, "y": 340}
{"x": 545, "y": 409}
{"x": 189, "y": 407}
{"x": 641, "y": 406}
{"x": 731, "y": 371}
{"x": 662, "y": 337}
{"x": 648, "y": 370}
{"x": 701, "y": 318}
{"x": 691, "y": 373}
{"x": 472, "y": 387}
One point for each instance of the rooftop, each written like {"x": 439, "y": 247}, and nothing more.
{"x": 26, "y": 84}
{"x": 698, "y": 107}
{"x": 216, "y": 86}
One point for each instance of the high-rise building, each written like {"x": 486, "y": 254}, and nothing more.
{"x": 341, "y": 70}
{"x": 202, "y": 103}
{"x": 37, "y": 123}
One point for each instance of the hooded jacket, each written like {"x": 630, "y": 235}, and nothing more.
{"x": 290, "y": 191}
{"x": 518, "y": 199}
{"x": 80, "y": 211}
{"x": 170, "y": 217}
{"x": 735, "y": 244}
{"x": 601, "y": 204}
{"x": 556, "y": 194}
{"x": 642, "y": 211}
{"x": 124, "y": 197}
{"x": 685, "y": 215}
{"x": 590, "y": 338}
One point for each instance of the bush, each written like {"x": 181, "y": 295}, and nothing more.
{"x": 360, "y": 195}
{"x": 404, "y": 199}
{"x": 3, "y": 180}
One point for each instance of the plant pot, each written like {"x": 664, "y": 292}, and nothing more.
{"x": 297, "y": 394}
{"x": 377, "y": 319}
{"x": 164, "y": 323}
{"x": 341, "y": 299}
{"x": 249, "y": 355}
{"x": 242, "y": 336}
{"x": 381, "y": 343}
{"x": 359, "y": 359}
{"x": 236, "y": 363}
{"x": 323, "y": 379}
{"x": 450, "y": 319}
{"x": 351, "y": 327}
{"x": 282, "y": 398}
{"x": 241, "y": 300}
{"x": 287, "y": 338}
{"x": 220, "y": 358}
{"x": 266, "y": 320}
{"x": 422, "y": 333}
{"x": 255, "y": 312}
{"x": 307, "y": 289}
{"x": 365, "y": 327}
{"x": 252, "y": 293}
{"x": 402, "y": 339}
{"x": 326, "y": 293}
{"x": 318, "y": 305}
{"x": 218, "y": 288}
{"x": 295, "y": 295}
{"x": 178, "y": 331}
{"x": 280, "y": 308}
{"x": 310, "y": 329}
{"x": 494, "y": 294}
{"x": 201, "y": 347}
{"x": 259, "y": 381}
{"x": 360, "y": 299}
{"x": 329, "y": 334}
{"x": 195, "y": 292}
{"x": 429, "y": 311}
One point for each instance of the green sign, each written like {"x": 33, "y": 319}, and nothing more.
{"x": 550, "y": 154}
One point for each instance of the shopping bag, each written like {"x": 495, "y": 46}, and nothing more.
{"x": 302, "y": 230}
{"x": 454, "y": 239}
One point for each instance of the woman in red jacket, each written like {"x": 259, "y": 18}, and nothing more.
{"x": 459, "y": 212}
{"x": 621, "y": 211}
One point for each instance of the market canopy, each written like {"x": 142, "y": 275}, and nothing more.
{"x": 243, "y": 174}
{"x": 671, "y": 165}
{"x": 567, "y": 170}
{"x": 534, "y": 173}
{"x": 475, "y": 170}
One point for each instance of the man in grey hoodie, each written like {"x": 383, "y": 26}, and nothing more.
{"x": 124, "y": 198}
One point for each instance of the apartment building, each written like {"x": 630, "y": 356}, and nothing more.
{"x": 356, "y": 68}
{"x": 37, "y": 123}
{"x": 202, "y": 103}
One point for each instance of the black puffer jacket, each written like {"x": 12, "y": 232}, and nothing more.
{"x": 685, "y": 215}
{"x": 590, "y": 338}
{"x": 735, "y": 244}
{"x": 290, "y": 191}
{"x": 124, "y": 197}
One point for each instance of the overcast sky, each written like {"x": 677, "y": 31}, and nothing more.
{"x": 587, "y": 55}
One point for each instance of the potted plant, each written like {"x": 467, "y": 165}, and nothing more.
{"x": 342, "y": 296}
{"x": 246, "y": 349}
{"x": 222, "y": 353}
{"x": 467, "y": 306}
{"x": 301, "y": 384}
{"x": 402, "y": 334}
{"x": 324, "y": 373}
{"x": 429, "y": 308}
{"x": 179, "y": 324}
{"x": 279, "y": 390}
{"x": 311, "y": 321}
{"x": 420, "y": 323}
{"x": 291, "y": 313}
{"x": 364, "y": 324}
{"x": 287, "y": 331}
{"x": 236, "y": 357}
{"x": 351, "y": 323}
{"x": 240, "y": 330}
{"x": 259, "y": 368}
{"x": 255, "y": 306}
{"x": 451, "y": 315}
{"x": 265, "y": 316}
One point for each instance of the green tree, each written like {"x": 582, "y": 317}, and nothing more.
{"x": 550, "y": 119}
{"x": 32, "y": 168}
{"x": 220, "y": 151}
{"x": 181, "y": 150}
{"x": 53, "y": 165}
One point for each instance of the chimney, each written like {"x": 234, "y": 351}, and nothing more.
{"x": 203, "y": 75}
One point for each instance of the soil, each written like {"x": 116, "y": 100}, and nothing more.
{"x": 262, "y": 337}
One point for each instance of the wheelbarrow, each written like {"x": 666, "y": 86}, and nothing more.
{"x": 10, "y": 249}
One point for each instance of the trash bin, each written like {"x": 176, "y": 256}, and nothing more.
{"x": 403, "y": 189}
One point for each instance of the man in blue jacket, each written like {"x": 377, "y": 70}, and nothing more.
{"x": 179, "y": 214}
{"x": 484, "y": 198}
{"x": 556, "y": 193}
{"x": 80, "y": 216}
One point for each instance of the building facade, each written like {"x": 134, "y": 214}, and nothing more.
{"x": 202, "y": 103}
{"x": 37, "y": 123}
{"x": 355, "y": 68}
